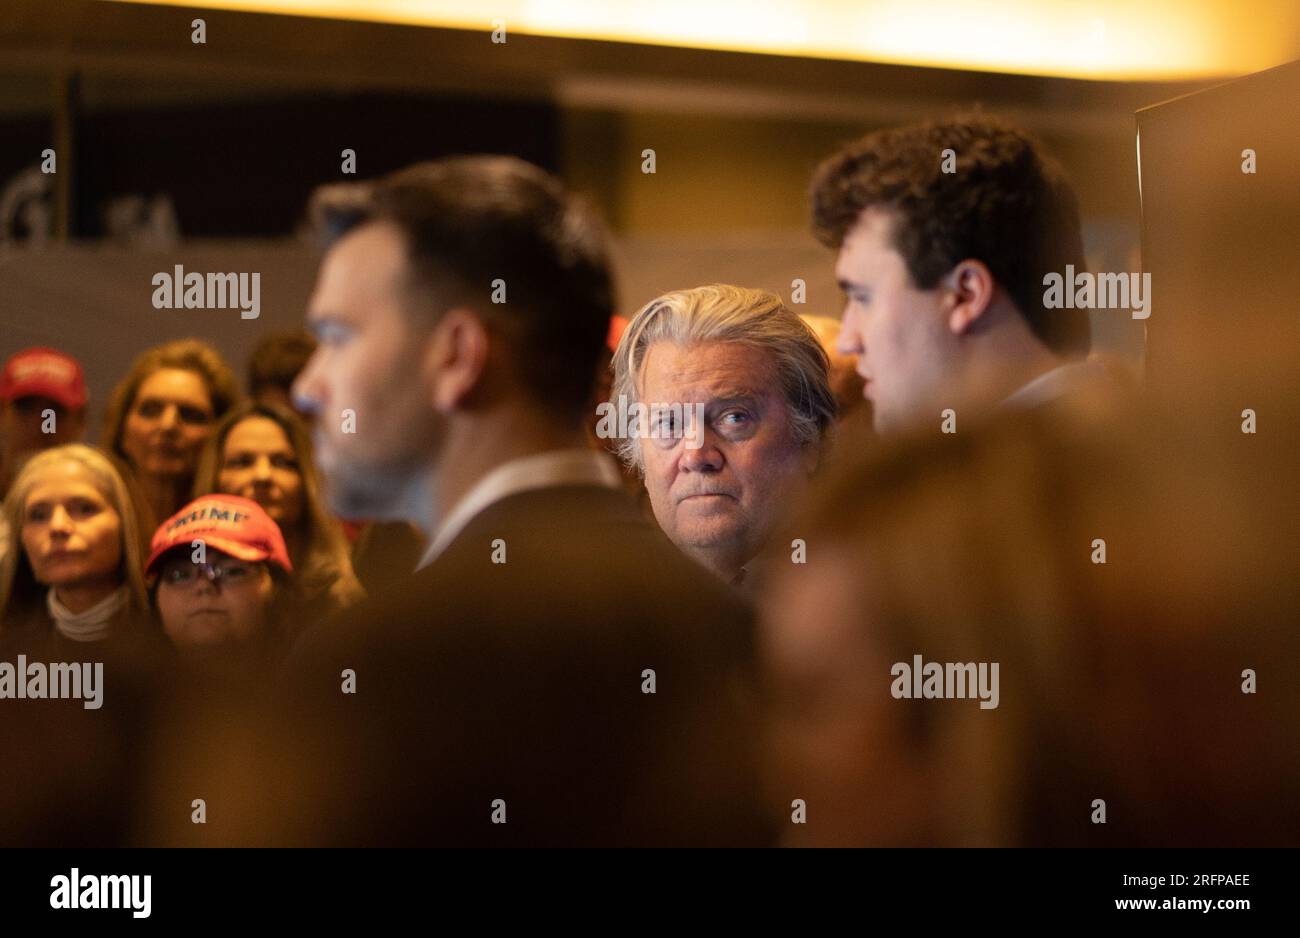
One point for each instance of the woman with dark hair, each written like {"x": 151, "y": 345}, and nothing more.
{"x": 220, "y": 581}
{"x": 160, "y": 415}
{"x": 72, "y": 572}
{"x": 263, "y": 452}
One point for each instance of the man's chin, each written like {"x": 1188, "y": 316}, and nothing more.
{"x": 705, "y": 536}
{"x": 351, "y": 505}
{"x": 886, "y": 420}
{"x": 363, "y": 495}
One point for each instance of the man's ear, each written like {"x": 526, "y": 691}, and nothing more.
{"x": 970, "y": 287}
{"x": 455, "y": 358}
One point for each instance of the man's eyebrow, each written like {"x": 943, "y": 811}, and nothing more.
{"x": 848, "y": 285}
{"x": 733, "y": 397}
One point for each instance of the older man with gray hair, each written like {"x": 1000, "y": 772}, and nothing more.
{"x": 739, "y": 404}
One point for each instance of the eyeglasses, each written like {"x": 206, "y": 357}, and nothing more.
{"x": 232, "y": 573}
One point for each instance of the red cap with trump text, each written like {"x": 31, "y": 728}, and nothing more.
{"x": 228, "y": 523}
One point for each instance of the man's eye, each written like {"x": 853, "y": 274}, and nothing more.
{"x": 663, "y": 424}
{"x": 735, "y": 418}
{"x": 235, "y": 574}
{"x": 331, "y": 334}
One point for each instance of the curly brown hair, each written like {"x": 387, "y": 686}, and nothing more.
{"x": 1007, "y": 204}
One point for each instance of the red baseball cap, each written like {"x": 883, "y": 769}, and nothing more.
{"x": 228, "y": 523}
{"x": 44, "y": 372}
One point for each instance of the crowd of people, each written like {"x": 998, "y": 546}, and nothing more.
{"x": 99, "y": 538}
{"x": 406, "y": 588}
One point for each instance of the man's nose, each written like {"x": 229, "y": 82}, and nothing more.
{"x": 706, "y": 457}
{"x": 849, "y": 341}
{"x": 304, "y": 393}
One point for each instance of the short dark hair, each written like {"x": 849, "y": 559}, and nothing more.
{"x": 278, "y": 358}
{"x": 471, "y": 220}
{"x": 1007, "y": 204}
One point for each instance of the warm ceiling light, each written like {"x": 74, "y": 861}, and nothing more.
{"x": 1105, "y": 39}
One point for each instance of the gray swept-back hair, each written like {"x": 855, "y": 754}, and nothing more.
{"x": 725, "y": 313}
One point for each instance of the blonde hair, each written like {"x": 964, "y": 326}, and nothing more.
{"x": 192, "y": 355}
{"x": 18, "y": 581}
{"x": 725, "y": 313}
{"x": 324, "y": 559}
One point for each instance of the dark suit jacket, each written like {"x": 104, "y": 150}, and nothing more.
{"x": 487, "y": 690}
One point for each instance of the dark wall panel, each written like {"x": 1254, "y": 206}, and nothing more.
{"x": 247, "y": 169}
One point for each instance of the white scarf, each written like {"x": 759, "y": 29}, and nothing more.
{"x": 93, "y": 625}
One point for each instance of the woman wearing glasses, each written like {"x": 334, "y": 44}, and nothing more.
{"x": 221, "y": 578}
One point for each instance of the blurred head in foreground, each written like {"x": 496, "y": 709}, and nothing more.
{"x": 461, "y": 308}
{"x": 737, "y": 408}
{"x": 944, "y": 232}
{"x": 1130, "y": 590}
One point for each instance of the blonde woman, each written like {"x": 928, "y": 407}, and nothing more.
{"x": 160, "y": 415}
{"x": 263, "y": 452}
{"x": 72, "y": 573}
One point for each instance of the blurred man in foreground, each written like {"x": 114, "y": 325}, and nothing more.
{"x": 556, "y": 673}
{"x": 1139, "y": 639}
